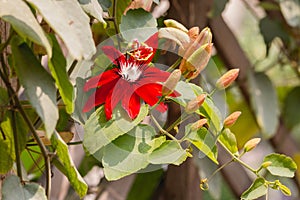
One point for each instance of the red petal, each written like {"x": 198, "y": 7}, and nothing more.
{"x": 150, "y": 93}
{"x": 113, "y": 54}
{"x": 107, "y": 106}
{"x": 101, "y": 79}
{"x": 121, "y": 89}
{"x": 132, "y": 105}
{"x": 153, "y": 75}
{"x": 152, "y": 41}
{"x": 99, "y": 96}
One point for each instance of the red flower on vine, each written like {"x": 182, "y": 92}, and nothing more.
{"x": 131, "y": 80}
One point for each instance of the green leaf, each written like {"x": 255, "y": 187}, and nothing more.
{"x": 4, "y": 100}
{"x": 271, "y": 28}
{"x": 264, "y": 102}
{"x": 282, "y": 165}
{"x": 70, "y": 23}
{"x": 93, "y": 8}
{"x": 257, "y": 189}
{"x": 170, "y": 152}
{"x": 58, "y": 68}
{"x": 13, "y": 189}
{"x": 137, "y": 24}
{"x": 81, "y": 98}
{"x": 291, "y": 104}
{"x": 228, "y": 139}
{"x": 6, "y": 161}
{"x": 145, "y": 185}
{"x": 39, "y": 85}
{"x": 128, "y": 153}
{"x": 24, "y": 22}
{"x": 208, "y": 109}
{"x": 203, "y": 140}
{"x": 71, "y": 172}
{"x": 99, "y": 132}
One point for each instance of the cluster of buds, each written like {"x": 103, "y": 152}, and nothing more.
{"x": 195, "y": 47}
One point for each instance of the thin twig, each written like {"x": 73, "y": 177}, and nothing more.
{"x": 33, "y": 131}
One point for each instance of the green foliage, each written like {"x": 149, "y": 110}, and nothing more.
{"x": 74, "y": 29}
{"x": 137, "y": 24}
{"x": 58, "y": 68}
{"x": 24, "y": 22}
{"x": 281, "y": 165}
{"x": 264, "y": 102}
{"x": 69, "y": 169}
{"x": 13, "y": 189}
{"x": 122, "y": 146}
{"x": 99, "y": 133}
{"x": 203, "y": 141}
{"x": 39, "y": 85}
{"x": 229, "y": 140}
{"x": 256, "y": 190}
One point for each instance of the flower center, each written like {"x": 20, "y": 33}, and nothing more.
{"x": 130, "y": 71}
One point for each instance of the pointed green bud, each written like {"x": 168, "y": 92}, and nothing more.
{"x": 171, "y": 82}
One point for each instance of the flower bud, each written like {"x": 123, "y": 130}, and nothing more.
{"x": 175, "y": 24}
{"x": 251, "y": 144}
{"x": 171, "y": 82}
{"x": 198, "y": 124}
{"x": 193, "y": 33}
{"x": 196, "y": 62}
{"x": 175, "y": 35}
{"x": 195, "y": 104}
{"x": 231, "y": 119}
{"x": 227, "y": 78}
{"x": 266, "y": 164}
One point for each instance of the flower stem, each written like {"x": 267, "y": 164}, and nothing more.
{"x": 180, "y": 119}
{"x": 219, "y": 169}
{"x": 162, "y": 130}
{"x": 236, "y": 159}
{"x": 174, "y": 66}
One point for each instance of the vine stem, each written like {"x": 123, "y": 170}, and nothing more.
{"x": 162, "y": 130}
{"x": 44, "y": 151}
{"x": 115, "y": 22}
{"x": 237, "y": 159}
{"x": 219, "y": 169}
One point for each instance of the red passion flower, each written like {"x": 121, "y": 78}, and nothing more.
{"x": 131, "y": 80}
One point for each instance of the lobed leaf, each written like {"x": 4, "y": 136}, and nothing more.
{"x": 128, "y": 153}
{"x": 99, "y": 132}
